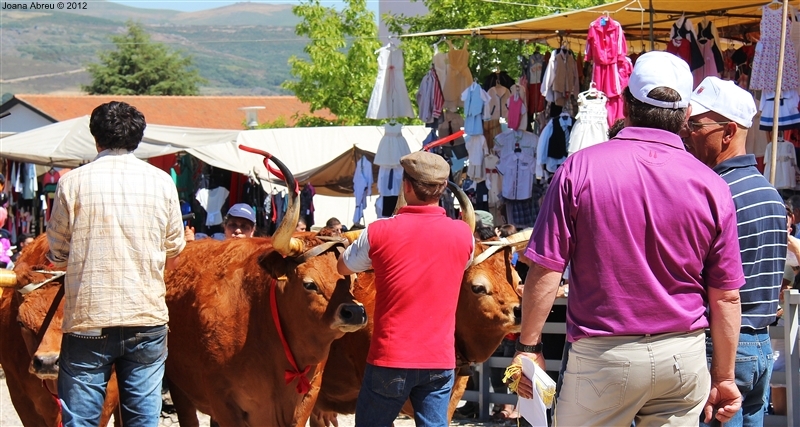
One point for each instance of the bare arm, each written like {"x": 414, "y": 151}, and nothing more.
{"x": 726, "y": 320}
{"x": 342, "y": 268}
{"x": 538, "y": 296}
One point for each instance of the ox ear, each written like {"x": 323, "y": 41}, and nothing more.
{"x": 276, "y": 265}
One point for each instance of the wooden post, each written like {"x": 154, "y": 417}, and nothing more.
{"x": 778, "y": 83}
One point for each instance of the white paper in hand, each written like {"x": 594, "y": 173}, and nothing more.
{"x": 532, "y": 409}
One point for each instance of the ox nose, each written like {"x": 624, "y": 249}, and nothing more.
{"x": 45, "y": 363}
{"x": 353, "y": 314}
{"x": 517, "y": 315}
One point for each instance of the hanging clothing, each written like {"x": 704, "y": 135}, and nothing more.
{"x": 307, "y": 204}
{"x": 520, "y": 213}
{"x": 511, "y": 140}
{"x": 494, "y": 181}
{"x": 498, "y": 103}
{"x": 459, "y": 76}
{"x": 788, "y": 114}
{"x": 212, "y": 201}
{"x": 712, "y": 57}
{"x": 429, "y": 98}
{"x": 785, "y": 167}
{"x": 389, "y": 98}
{"x": 474, "y": 98}
{"x": 516, "y": 109}
{"x": 390, "y": 181}
{"x": 392, "y": 146}
{"x": 591, "y": 123}
{"x": 452, "y": 123}
{"x": 362, "y": 187}
{"x": 765, "y": 71}
{"x": 565, "y": 76}
{"x": 517, "y": 169}
{"x": 729, "y": 70}
{"x": 440, "y": 64}
{"x": 607, "y": 48}
{"x": 477, "y": 149}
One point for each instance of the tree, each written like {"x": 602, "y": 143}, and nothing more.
{"x": 139, "y": 66}
{"x": 487, "y": 55}
{"x": 342, "y": 66}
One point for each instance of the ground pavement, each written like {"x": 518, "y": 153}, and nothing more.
{"x": 9, "y": 418}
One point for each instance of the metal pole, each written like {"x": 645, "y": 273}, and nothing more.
{"x": 652, "y": 37}
{"x": 778, "y": 83}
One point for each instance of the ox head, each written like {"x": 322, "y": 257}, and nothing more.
{"x": 307, "y": 264}
{"x": 43, "y": 346}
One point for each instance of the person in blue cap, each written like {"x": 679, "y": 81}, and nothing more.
{"x": 240, "y": 222}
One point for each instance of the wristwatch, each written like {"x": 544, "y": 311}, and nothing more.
{"x": 528, "y": 348}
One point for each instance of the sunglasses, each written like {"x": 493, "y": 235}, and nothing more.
{"x": 697, "y": 125}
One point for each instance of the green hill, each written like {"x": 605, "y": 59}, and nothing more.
{"x": 240, "y": 49}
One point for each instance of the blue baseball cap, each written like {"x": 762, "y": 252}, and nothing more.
{"x": 242, "y": 210}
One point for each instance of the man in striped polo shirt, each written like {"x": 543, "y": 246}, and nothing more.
{"x": 721, "y": 115}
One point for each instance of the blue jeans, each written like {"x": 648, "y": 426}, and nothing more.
{"x": 385, "y": 390}
{"x": 753, "y": 372}
{"x": 137, "y": 354}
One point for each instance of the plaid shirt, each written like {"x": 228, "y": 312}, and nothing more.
{"x": 114, "y": 223}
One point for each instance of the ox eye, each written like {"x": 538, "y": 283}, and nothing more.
{"x": 311, "y": 286}
{"x": 479, "y": 289}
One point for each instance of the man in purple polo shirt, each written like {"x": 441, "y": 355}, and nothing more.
{"x": 651, "y": 236}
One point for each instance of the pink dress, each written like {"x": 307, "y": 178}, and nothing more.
{"x": 607, "y": 48}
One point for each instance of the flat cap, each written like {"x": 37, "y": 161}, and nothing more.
{"x": 426, "y": 167}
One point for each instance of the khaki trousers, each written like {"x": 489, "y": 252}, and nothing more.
{"x": 654, "y": 380}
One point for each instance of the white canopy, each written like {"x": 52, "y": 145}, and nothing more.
{"x": 312, "y": 154}
{"x": 70, "y": 144}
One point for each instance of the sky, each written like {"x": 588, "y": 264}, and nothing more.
{"x": 195, "y": 5}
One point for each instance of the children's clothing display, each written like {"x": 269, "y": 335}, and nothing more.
{"x": 591, "y": 124}
{"x": 459, "y": 76}
{"x": 712, "y": 57}
{"x": 474, "y": 98}
{"x": 788, "y": 114}
{"x": 765, "y": 72}
{"x": 389, "y": 95}
{"x": 362, "y": 187}
{"x": 607, "y": 48}
{"x": 429, "y": 98}
{"x": 785, "y": 167}
{"x": 517, "y": 168}
{"x": 212, "y": 201}
{"x": 440, "y": 65}
{"x": 497, "y": 106}
{"x": 477, "y": 150}
{"x": 551, "y": 151}
{"x": 392, "y": 146}
{"x": 517, "y": 112}
{"x": 390, "y": 180}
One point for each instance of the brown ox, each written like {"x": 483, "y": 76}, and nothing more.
{"x": 226, "y": 357}
{"x": 488, "y": 309}
{"x": 21, "y": 355}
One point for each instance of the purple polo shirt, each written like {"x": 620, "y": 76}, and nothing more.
{"x": 646, "y": 227}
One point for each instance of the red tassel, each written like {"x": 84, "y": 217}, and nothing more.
{"x": 303, "y": 384}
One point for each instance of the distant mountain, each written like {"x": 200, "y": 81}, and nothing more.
{"x": 240, "y": 49}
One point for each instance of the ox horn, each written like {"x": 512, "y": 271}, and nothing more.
{"x": 467, "y": 211}
{"x": 282, "y": 239}
{"x": 351, "y": 236}
{"x": 8, "y": 279}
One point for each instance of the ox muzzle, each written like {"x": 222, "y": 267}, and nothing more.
{"x": 350, "y": 317}
{"x": 45, "y": 366}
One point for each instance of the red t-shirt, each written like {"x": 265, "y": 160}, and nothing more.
{"x": 419, "y": 257}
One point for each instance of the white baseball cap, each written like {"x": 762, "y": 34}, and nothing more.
{"x": 656, "y": 69}
{"x": 724, "y": 98}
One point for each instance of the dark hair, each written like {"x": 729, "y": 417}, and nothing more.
{"x": 357, "y": 226}
{"x": 485, "y": 233}
{"x": 793, "y": 202}
{"x": 332, "y": 222}
{"x": 615, "y": 128}
{"x": 507, "y": 230}
{"x": 645, "y": 115}
{"x": 427, "y": 193}
{"x": 117, "y": 125}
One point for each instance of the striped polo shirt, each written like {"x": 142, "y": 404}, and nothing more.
{"x": 761, "y": 222}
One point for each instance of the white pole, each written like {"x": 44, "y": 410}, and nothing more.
{"x": 779, "y": 81}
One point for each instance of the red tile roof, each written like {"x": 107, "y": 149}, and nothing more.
{"x": 216, "y": 112}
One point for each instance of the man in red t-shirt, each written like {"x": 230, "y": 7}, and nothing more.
{"x": 419, "y": 257}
